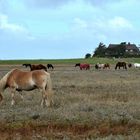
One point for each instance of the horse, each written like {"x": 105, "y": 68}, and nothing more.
{"x": 26, "y": 65}
{"x": 136, "y": 65}
{"x": 50, "y": 66}
{"x": 78, "y": 64}
{"x": 35, "y": 67}
{"x": 129, "y": 65}
{"x": 106, "y": 65}
{"x": 121, "y": 64}
{"x": 18, "y": 80}
{"x": 99, "y": 66}
{"x": 83, "y": 66}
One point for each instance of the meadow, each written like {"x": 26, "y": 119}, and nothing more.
{"x": 94, "y": 104}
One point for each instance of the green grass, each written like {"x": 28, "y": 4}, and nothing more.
{"x": 70, "y": 61}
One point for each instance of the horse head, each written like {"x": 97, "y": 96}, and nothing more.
{"x": 78, "y": 64}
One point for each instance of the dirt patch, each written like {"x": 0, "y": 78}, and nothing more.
{"x": 60, "y": 131}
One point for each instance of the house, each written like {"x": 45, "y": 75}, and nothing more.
{"x": 131, "y": 49}
{"x": 122, "y": 49}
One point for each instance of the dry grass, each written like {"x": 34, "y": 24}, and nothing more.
{"x": 98, "y": 104}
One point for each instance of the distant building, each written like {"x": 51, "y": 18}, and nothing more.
{"x": 122, "y": 49}
{"x": 132, "y": 49}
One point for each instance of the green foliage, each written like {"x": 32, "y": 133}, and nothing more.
{"x": 100, "y": 50}
{"x": 88, "y": 55}
{"x": 115, "y": 51}
{"x": 92, "y": 60}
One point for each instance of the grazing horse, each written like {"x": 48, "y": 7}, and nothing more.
{"x": 106, "y": 65}
{"x": 129, "y": 65}
{"x": 26, "y": 65}
{"x": 50, "y": 66}
{"x": 36, "y": 67}
{"x": 121, "y": 64}
{"x": 18, "y": 80}
{"x": 83, "y": 66}
{"x": 102, "y": 66}
{"x": 136, "y": 65}
{"x": 78, "y": 64}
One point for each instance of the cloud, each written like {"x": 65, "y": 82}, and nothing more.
{"x": 11, "y": 28}
{"x": 101, "y": 2}
{"x": 115, "y": 23}
{"x": 120, "y": 22}
{"x": 46, "y": 3}
{"x": 6, "y": 25}
{"x": 56, "y": 3}
{"x": 103, "y": 29}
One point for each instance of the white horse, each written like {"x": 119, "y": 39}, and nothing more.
{"x": 136, "y": 65}
{"x": 99, "y": 66}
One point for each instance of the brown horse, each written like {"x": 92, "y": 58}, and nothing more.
{"x": 83, "y": 66}
{"x": 36, "y": 67}
{"x": 18, "y": 80}
{"x": 129, "y": 65}
{"x": 121, "y": 64}
{"x": 106, "y": 65}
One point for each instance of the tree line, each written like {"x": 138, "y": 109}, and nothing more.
{"x": 118, "y": 51}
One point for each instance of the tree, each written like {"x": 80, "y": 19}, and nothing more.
{"x": 100, "y": 50}
{"x": 88, "y": 55}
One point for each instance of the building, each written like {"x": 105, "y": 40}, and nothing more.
{"x": 122, "y": 49}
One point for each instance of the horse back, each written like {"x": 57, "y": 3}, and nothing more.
{"x": 25, "y": 79}
{"x": 18, "y": 77}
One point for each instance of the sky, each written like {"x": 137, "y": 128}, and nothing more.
{"x": 63, "y": 29}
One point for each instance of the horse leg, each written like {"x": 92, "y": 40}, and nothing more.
{"x": 49, "y": 94}
{"x": 43, "y": 98}
{"x": 48, "y": 98}
{"x": 13, "y": 96}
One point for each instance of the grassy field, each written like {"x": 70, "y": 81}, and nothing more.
{"x": 71, "y": 61}
{"x": 94, "y": 104}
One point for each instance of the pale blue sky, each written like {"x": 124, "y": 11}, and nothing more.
{"x": 54, "y": 29}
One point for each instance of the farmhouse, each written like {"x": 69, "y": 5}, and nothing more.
{"x": 122, "y": 49}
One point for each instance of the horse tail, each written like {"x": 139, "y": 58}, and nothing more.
{"x": 3, "y": 82}
{"x": 48, "y": 89}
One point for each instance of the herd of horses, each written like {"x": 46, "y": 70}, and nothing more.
{"x": 39, "y": 67}
{"x": 39, "y": 78}
{"x": 118, "y": 65}
{"x": 85, "y": 66}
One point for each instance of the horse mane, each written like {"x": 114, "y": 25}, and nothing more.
{"x": 3, "y": 82}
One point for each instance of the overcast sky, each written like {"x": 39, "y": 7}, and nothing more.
{"x": 53, "y": 29}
